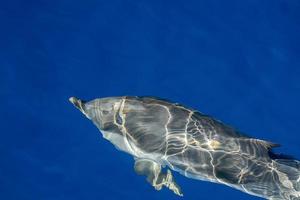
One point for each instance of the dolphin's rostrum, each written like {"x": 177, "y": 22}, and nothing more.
{"x": 159, "y": 133}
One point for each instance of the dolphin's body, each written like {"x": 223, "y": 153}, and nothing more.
{"x": 158, "y": 133}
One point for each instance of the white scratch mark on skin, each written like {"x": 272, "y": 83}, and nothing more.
{"x": 123, "y": 128}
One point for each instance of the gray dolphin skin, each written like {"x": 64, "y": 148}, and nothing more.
{"x": 164, "y": 136}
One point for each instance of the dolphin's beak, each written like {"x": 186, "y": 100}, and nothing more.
{"x": 76, "y": 102}
{"x": 79, "y": 104}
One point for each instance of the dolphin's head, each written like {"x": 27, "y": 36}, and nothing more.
{"x": 104, "y": 112}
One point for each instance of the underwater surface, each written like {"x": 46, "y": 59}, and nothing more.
{"x": 238, "y": 61}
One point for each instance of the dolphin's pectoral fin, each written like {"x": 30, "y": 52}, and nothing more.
{"x": 155, "y": 176}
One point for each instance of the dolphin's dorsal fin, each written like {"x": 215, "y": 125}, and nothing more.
{"x": 266, "y": 144}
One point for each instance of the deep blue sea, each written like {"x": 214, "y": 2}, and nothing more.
{"x": 238, "y": 61}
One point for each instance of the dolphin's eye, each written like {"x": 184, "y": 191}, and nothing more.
{"x": 105, "y": 112}
{"x": 118, "y": 118}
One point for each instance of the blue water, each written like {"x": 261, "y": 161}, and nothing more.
{"x": 238, "y": 61}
